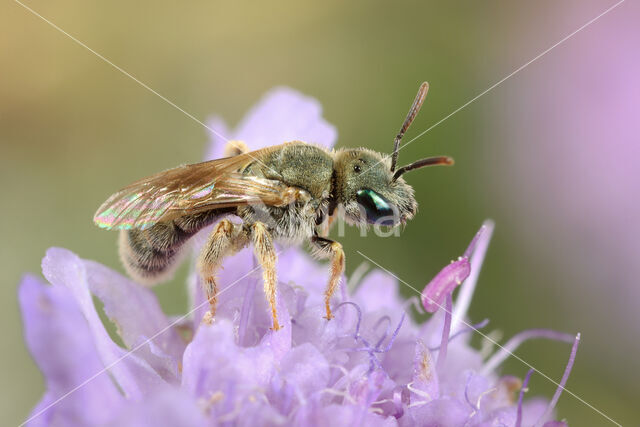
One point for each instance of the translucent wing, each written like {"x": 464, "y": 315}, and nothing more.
{"x": 187, "y": 190}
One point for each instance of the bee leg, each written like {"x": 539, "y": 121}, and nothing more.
{"x": 325, "y": 226}
{"x": 266, "y": 254}
{"x": 234, "y": 148}
{"x": 327, "y": 248}
{"x": 225, "y": 239}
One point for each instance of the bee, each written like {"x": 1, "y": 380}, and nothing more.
{"x": 287, "y": 193}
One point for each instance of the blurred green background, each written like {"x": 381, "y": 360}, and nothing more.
{"x": 73, "y": 130}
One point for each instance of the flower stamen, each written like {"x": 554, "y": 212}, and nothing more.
{"x": 563, "y": 381}
{"x": 523, "y": 390}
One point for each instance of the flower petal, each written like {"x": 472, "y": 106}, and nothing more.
{"x": 441, "y": 412}
{"x": 167, "y": 407}
{"x": 60, "y": 341}
{"x": 379, "y": 291}
{"x": 282, "y": 115}
{"x": 215, "y": 149}
{"x": 344, "y": 415}
{"x": 424, "y": 386}
{"x": 134, "y": 375}
{"x": 306, "y": 367}
{"x": 137, "y": 314}
{"x": 214, "y": 363}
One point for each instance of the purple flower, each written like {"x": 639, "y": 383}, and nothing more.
{"x": 371, "y": 365}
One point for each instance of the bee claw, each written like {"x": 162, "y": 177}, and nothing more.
{"x": 208, "y": 318}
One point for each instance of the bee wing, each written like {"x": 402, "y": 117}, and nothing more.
{"x": 187, "y": 190}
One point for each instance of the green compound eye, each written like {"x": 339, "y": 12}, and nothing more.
{"x": 375, "y": 207}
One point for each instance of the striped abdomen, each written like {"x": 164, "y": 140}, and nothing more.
{"x": 151, "y": 255}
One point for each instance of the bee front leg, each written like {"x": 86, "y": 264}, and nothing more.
{"x": 225, "y": 239}
{"x": 326, "y": 248}
{"x": 266, "y": 254}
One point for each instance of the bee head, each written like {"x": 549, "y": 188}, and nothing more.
{"x": 368, "y": 186}
{"x": 367, "y": 192}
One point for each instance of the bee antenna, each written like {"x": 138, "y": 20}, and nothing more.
{"x": 413, "y": 112}
{"x": 429, "y": 161}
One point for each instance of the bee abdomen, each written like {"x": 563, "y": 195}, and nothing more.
{"x": 151, "y": 255}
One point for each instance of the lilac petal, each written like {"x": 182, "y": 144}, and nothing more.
{"x": 297, "y": 267}
{"x": 502, "y": 394}
{"x": 282, "y": 115}
{"x": 533, "y": 409}
{"x": 441, "y": 412}
{"x": 254, "y": 412}
{"x": 279, "y": 342}
{"x": 166, "y": 407}
{"x": 366, "y": 389}
{"x": 163, "y": 364}
{"x": 399, "y": 357}
{"x": 444, "y": 283}
{"x": 379, "y": 291}
{"x": 461, "y": 358}
{"x": 60, "y": 341}
{"x": 475, "y": 391}
{"x": 477, "y": 251}
{"x": 215, "y": 150}
{"x": 213, "y": 362}
{"x": 424, "y": 386}
{"x": 282, "y": 395}
{"x": 134, "y": 375}
{"x": 244, "y": 325}
{"x": 137, "y": 314}
{"x": 335, "y": 415}
{"x": 326, "y": 336}
{"x": 306, "y": 369}
{"x": 198, "y": 304}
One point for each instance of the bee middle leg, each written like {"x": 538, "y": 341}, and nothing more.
{"x": 326, "y": 248}
{"x": 225, "y": 239}
{"x": 266, "y": 254}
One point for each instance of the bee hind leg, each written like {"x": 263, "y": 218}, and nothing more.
{"x": 225, "y": 239}
{"x": 266, "y": 254}
{"x": 326, "y": 248}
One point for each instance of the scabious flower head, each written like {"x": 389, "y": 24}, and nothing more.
{"x": 371, "y": 365}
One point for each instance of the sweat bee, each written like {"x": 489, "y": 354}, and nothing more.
{"x": 288, "y": 193}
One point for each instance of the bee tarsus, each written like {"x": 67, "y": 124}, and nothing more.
{"x": 330, "y": 249}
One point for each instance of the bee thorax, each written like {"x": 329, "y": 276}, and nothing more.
{"x": 290, "y": 225}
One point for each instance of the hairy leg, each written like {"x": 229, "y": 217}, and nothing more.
{"x": 266, "y": 254}
{"x": 326, "y": 248}
{"x": 225, "y": 239}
